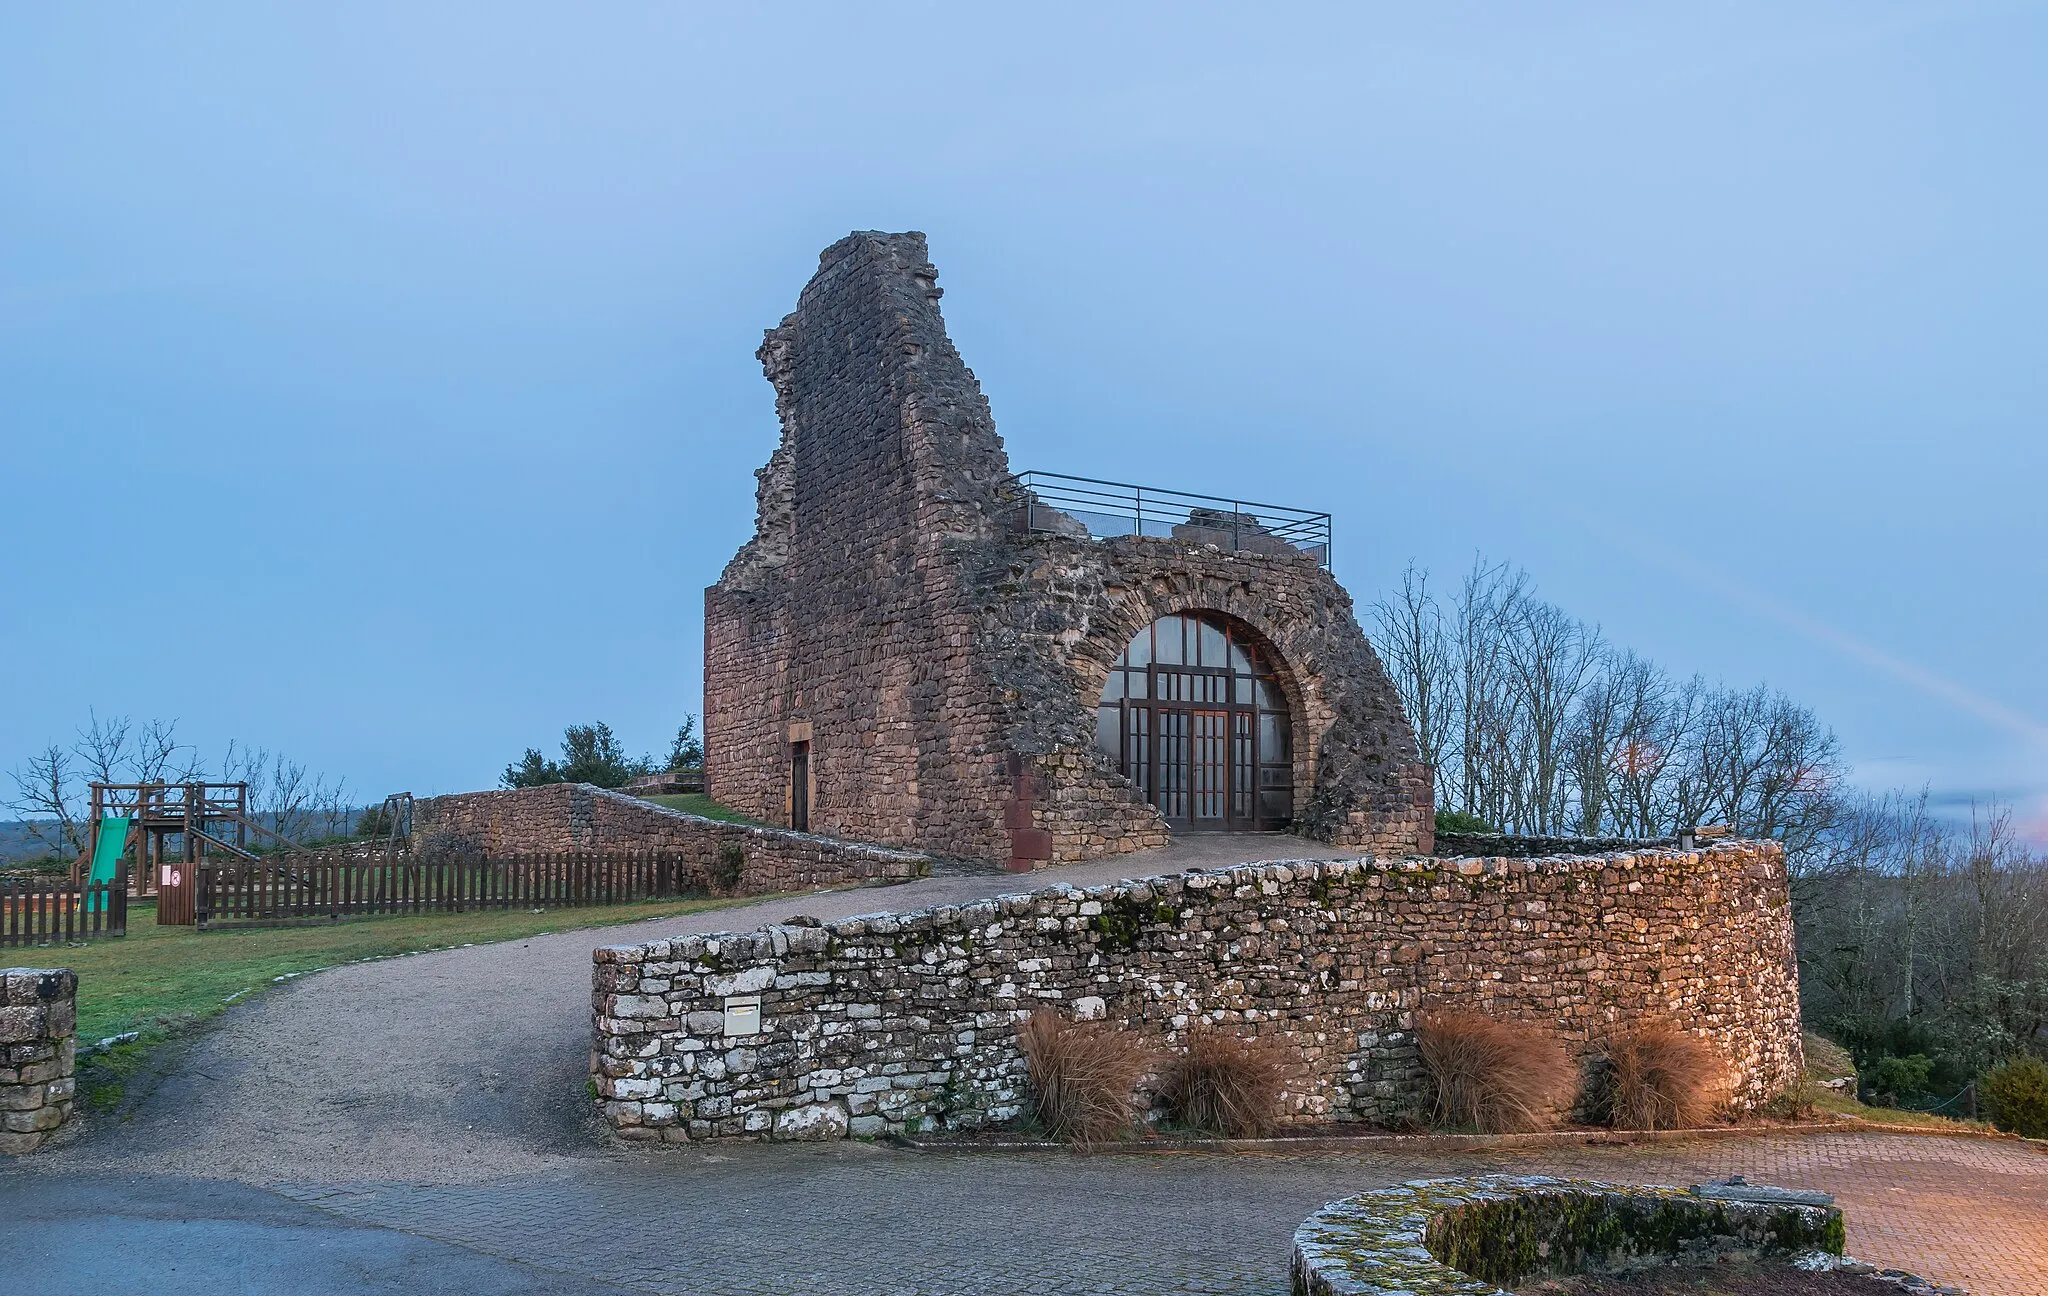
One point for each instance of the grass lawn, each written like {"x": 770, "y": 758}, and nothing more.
{"x": 697, "y": 803}
{"x": 1831, "y": 1103}
{"x": 158, "y": 979}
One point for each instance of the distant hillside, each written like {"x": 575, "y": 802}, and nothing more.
{"x": 18, "y": 843}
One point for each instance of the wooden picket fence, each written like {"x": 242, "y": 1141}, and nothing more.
{"x": 58, "y": 911}
{"x": 292, "y": 889}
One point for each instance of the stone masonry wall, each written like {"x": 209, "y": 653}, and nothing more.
{"x": 1057, "y": 611}
{"x": 908, "y": 1021}
{"x": 840, "y": 623}
{"x": 38, "y": 1051}
{"x": 943, "y": 664}
{"x": 580, "y": 817}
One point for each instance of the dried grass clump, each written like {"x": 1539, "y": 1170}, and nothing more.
{"x": 1655, "y": 1076}
{"x": 1493, "y": 1076}
{"x": 1081, "y": 1075}
{"x": 1226, "y": 1084}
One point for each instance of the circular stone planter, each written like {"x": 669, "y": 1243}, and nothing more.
{"x": 1471, "y": 1237}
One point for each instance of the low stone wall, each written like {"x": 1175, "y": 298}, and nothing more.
{"x": 579, "y": 817}
{"x": 903, "y": 1022}
{"x": 38, "y": 1016}
{"x": 1461, "y": 1237}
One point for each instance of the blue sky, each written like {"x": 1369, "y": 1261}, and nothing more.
{"x": 377, "y": 383}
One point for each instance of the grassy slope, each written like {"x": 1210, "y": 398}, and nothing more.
{"x": 158, "y": 979}
{"x": 697, "y": 803}
{"x": 1827, "y": 1060}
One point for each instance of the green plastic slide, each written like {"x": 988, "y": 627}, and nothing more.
{"x": 108, "y": 845}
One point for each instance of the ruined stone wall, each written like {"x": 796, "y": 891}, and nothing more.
{"x": 841, "y": 623}
{"x": 943, "y": 665}
{"x": 38, "y": 1052}
{"x": 563, "y": 817}
{"x": 1058, "y": 611}
{"x": 896, "y": 1022}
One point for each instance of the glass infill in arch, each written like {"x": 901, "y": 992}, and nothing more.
{"x": 1194, "y": 716}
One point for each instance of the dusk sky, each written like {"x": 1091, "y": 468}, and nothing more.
{"x": 377, "y": 382}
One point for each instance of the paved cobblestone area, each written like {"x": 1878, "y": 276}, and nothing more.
{"x": 853, "y": 1219}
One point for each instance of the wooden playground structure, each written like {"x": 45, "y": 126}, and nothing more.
{"x": 174, "y": 827}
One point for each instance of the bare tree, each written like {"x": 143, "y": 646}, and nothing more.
{"x": 1489, "y": 750}
{"x": 1764, "y": 765}
{"x": 50, "y": 787}
{"x": 1592, "y": 748}
{"x": 250, "y": 765}
{"x": 159, "y": 757}
{"x": 102, "y": 748}
{"x": 286, "y": 797}
{"x": 1627, "y": 747}
{"x": 46, "y": 797}
{"x": 293, "y": 799}
{"x": 1861, "y": 906}
{"x": 1417, "y": 650}
{"x": 1549, "y": 656}
{"x": 1917, "y": 936}
{"x": 335, "y": 816}
{"x": 1535, "y": 725}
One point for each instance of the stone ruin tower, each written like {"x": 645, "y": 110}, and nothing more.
{"x": 919, "y": 648}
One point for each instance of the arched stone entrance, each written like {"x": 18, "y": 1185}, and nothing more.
{"x": 1194, "y": 715}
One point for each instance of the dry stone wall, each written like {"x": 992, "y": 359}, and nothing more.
{"x": 38, "y": 1052}
{"x": 908, "y": 1021}
{"x": 939, "y": 663}
{"x": 562, "y": 817}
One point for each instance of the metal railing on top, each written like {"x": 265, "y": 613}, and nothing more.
{"x": 1059, "y": 503}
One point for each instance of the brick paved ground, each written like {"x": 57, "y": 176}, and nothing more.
{"x": 853, "y": 1219}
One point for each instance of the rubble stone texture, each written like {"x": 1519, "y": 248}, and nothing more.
{"x": 562, "y": 817}
{"x": 1460, "y": 1237}
{"x": 942, "y": 663}
{"x": 38, "y": 1052}
{"x": 898, "y": 1023}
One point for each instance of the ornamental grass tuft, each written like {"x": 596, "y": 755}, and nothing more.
{"x": 1653, "y": 1076}
{"x": 1497, "y": 1077}
{"x": 1226, "y": 1084}
{"x": 1081, "y": 1075}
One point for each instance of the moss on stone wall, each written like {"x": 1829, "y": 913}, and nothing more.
{"x": 1466, "y": 1237}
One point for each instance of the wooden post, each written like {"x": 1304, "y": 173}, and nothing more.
{"x": 82, "y": 871}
